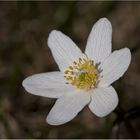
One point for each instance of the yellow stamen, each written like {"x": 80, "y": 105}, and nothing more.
{"x": 82, "y": 74}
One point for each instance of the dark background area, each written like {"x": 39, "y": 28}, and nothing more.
{"x": 24, "y": 29}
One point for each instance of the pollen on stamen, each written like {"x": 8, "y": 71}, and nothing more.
{"x": 83, "y": 74}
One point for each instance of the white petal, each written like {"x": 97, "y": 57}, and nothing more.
{"x": 115, "y": 66}
{"x": 104, "y": 101}
{"x": 67, "y": 107}
{"x": 99, "y": 41}
{"x": 51, "y": 84}
{"x": 64, "y": 50}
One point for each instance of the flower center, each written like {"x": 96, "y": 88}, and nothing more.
{"x": 83, "y": 74}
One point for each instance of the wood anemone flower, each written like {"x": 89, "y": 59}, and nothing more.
{"x": 84, "y": 78}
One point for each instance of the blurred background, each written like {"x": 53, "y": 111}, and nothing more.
{"x": 24, "y": 29}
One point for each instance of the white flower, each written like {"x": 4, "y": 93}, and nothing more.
{"x": 84, "y": 78}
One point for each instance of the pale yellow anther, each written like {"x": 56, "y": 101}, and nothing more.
{"x": 66, "y": 72}
{"x": 80, "y": 59}
{"x": 70, "y": 67}
{"x": 75, "y": 62}
{"x": 71, "y": 72}
{"x": 85, "y": 60}
{"x": 75, "y": 67}
{"x": 69, "y": 78}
